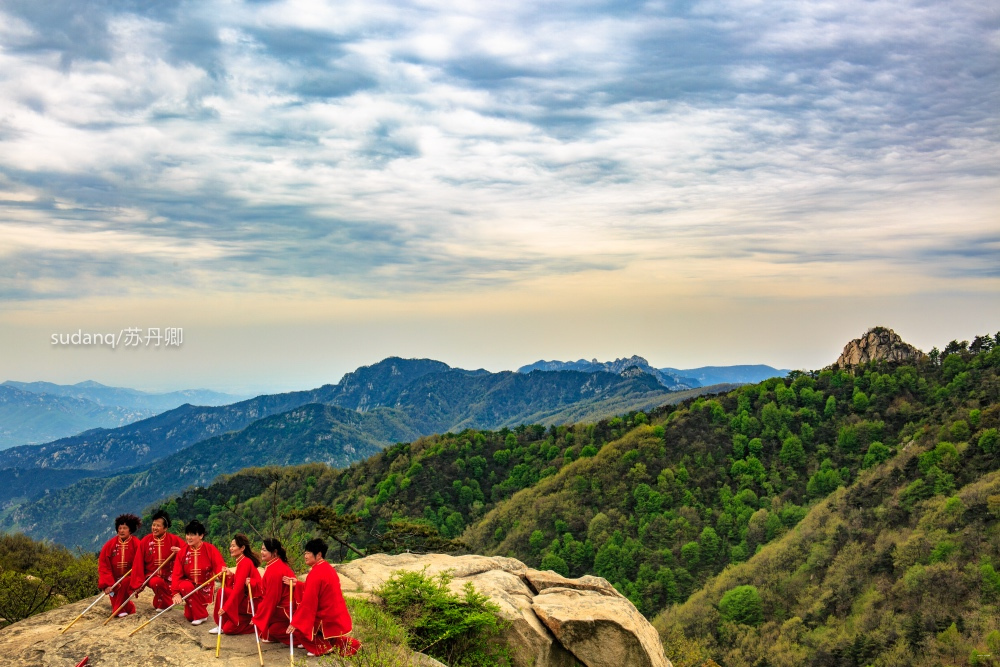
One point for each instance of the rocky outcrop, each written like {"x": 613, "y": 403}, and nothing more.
{"x": 554, "y": 621}
{"x": 170, "y": 641}
{"x": 878, "y": 344}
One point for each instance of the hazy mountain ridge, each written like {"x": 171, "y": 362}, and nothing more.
{"x": 27, "y": 417}
{"x": 110, "y": 450}
{"x": 424, "y": 399}
{"x": 741, "y": 374}
{"x": 311, "y": 432}
{"x": 128, "y": 398}
{"x": 674, "y": 378}
{"x": 902, "y": 566}
{"x": 41, "y": 412}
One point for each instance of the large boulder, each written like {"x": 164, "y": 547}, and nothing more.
{"x": 878, "y": 344}
{"x": 169, "y": 641}
{"x": 554, "y": 621}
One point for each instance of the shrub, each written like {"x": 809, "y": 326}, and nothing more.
{"x": 742, "y": 605}
{"x": 459, "y": 630}
{"x": 989, "y": 441}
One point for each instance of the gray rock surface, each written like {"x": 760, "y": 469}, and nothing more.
{"x": 878, "y": 343}
{"x": 551, "y": 617}
{"x": 554, "y": 622}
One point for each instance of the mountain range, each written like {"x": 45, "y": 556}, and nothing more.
{"x": 38, "y": 412}
{"x": 673, "y": 378}
{"x": 107, "y": 470}
{"x": 847, "y": 516}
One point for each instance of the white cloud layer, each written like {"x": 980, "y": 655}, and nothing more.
{"x": 371, "y": 148}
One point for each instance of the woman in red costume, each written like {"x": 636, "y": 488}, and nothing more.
{"x": 321, "y": 622}
{"x": 116, "y": 559}
{"x": 233, "y": 601}
{"x": 272, "y": 610}
{"x": 196, "y": 563}
{"x": 154, "y": 550}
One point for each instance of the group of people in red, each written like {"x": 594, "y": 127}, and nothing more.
{"x": 259, "y": 592}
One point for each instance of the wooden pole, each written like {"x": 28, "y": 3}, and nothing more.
{"x": 200, "y": 586}
{"x": 95, "y": 602}
{"x": 291, "y": 637}
{"x": 218, "y": 612}
{"x": 136, "y": 594}
{"x": 253, "y": 612}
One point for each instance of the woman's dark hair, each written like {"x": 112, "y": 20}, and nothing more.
{"x": 242, "y": 541}
{"x": 194, "y": 528}
{"x": 274, "y": 546}
{"x": 162, "y": 516}
{"x": 132, "y": 521}
{"x": 317, "y": 547}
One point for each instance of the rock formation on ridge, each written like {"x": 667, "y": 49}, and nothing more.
{"x": 878, "y": 344}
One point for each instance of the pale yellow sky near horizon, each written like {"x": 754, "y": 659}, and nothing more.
{"x": 251, "y": 343}
{"x": 309, "y": 186}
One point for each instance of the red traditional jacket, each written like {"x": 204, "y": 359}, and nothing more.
{"x": 236, "y": 601}
{"x": 151, "y": 554}
{"x": 273, "y": 607}
{"x": 321, "y": 608}
{"x": 196, "y": 565}
{"x": 115, "y": 560}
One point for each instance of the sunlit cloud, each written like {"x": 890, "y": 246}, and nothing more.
{"x": 401, "y": 148}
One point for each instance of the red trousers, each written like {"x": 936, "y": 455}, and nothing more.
{"x": 161, "y": 592}
{"x": 122, "y": 592}
{"x": 231, "y": 626}
{"x": 345, "y": 646}
{"x": 196, "y": 606}
{"x": 277, "y": 632}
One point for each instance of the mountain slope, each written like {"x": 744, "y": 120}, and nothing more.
{"x": 424, "y": 399}
{"x": 111, "y": 450}
{"x": 27, "y": 417}
{"x": 124, "y": 397}
{"x": 77, "y": 515}
{"x": 666, "y": 377}
{"x": 875, "y": 574}
{"x": 744, "y": 374}
{"x": 661, "y": 503}
{"x": 675, "y": 378}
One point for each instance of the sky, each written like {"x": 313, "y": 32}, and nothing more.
{"x": 304, "y": 187}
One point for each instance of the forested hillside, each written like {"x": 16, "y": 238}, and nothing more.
{"x": 660, "y": 503}
{"x": 375, "y": 406}
{"x": 847, "y": 516}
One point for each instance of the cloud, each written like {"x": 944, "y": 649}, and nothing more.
{"x": 392, "y": 148}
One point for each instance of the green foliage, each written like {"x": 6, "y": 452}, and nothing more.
{"x": 792, "y": 453}
{"x": 383, "y": 638}
{"x": 877, "y": 453}
{"x": 688, "y": 478}
{"x": 989, "y": 441}
{"x": 892, "y": 566}
{"x": 459, "y": 630}
{"x": 742, "y": 605}
{"x": 36, "y": 576}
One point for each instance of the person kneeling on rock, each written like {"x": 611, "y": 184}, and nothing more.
{"x": 196, "y": 563}
{"x": 322, "y": 622}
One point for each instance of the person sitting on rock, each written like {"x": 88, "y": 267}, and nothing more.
{"x": 232, "y": 602}
{"x": 271, "y": 618}
{"x": 116, "y": 559}
{"x": 154, "y": 550}
{"x": 197, "y": 562}
{"x": 321, "y": 621}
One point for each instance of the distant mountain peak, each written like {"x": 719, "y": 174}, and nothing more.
{"x": 877, "y": 344}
